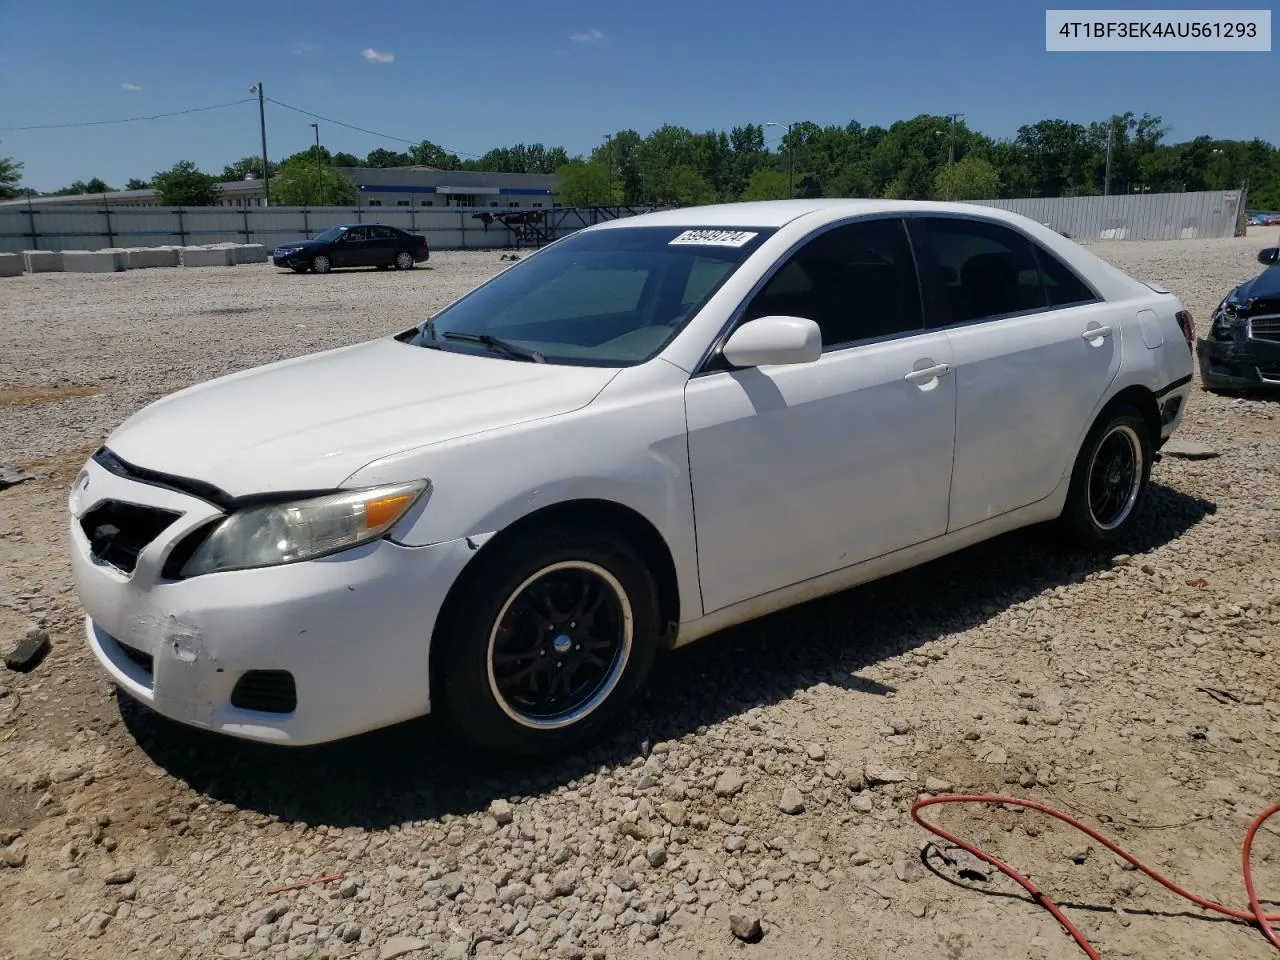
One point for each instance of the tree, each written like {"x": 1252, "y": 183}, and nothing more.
{"x": 427, "y": 154}
{"x": 297, "y": 184}
{"x": 382, "y": 157}
{"x": 766, "y": 184}
{"x": 586, "y": 184}
{"x": 971, "y": 178}
{"x": 185, "y": 185}
{"x": 342, "y": 159}
{"x": 96, "y": 185}
{"x": 133, "y": 183}
{"x": 241, "y": 169}
{"x": 10, "y": 177}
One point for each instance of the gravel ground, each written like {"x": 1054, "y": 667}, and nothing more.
{"x": 761, "y": 786}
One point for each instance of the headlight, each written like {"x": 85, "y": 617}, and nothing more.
{"x": 303, "y": 529}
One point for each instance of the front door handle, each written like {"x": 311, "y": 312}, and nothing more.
{"x": 1095, "y": 333}
{"x": 928, "y": 373}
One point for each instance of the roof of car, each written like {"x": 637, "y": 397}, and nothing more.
{"x": 777, "y": 213}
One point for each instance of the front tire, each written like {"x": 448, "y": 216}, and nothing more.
{"x": 548, "y": 638}
{"x": 321, "y": 264}
{"x": 1110, "y": 478}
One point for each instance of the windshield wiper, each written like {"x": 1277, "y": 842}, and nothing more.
{"x": 494, "y": 343}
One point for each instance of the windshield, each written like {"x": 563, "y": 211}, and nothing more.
{"x": 611, "y": 297}
{"x": 333, "y": 233}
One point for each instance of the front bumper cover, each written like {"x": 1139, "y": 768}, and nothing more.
{"x": 1239, "y": 364}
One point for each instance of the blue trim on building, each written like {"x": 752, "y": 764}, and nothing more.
{"x": 502, "y": 191}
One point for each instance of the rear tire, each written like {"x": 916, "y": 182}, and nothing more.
{"x": 1110, "y": 478}
{"x": 545, "y": 642}
{"x": 404, "y": 260}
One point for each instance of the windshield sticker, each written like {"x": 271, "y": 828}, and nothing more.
{"x": 715, "y": 238}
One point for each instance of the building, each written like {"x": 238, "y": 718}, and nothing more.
{"x": 375, "y": 186}
{"x": 430, "y": 187}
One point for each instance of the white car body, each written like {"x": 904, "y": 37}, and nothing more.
{"x": 763, "y": 486}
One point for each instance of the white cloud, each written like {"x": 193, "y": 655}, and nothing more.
{"x": 301, "y": 47}
{"x": 586, "y": 36}
{"x": 133, "y": 87}
{"x": 377, "y": 56}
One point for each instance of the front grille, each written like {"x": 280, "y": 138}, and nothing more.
{"x": 142, "y": 659}
{"x": 270, "y": 691}
{"x": 119, "y": 531}
{"x": 1265, "y": 328}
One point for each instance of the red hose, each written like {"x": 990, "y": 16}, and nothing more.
{"x": 1255, "y": 913}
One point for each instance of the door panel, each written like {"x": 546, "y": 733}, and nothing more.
{"x": 1034, "y": 352}
{"x": 1026, "y": 389}
{"x": 801, "y": 470}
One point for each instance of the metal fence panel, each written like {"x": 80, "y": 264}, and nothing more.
{"x": 1163, "y": 216}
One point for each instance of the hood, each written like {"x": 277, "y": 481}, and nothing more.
{"x": 299, "y": 243}
{"x": 311, "y": 422}
{"x": 1265, "y": 286}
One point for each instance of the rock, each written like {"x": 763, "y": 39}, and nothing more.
{"x": 746, "y": 926}
{"x": 937, "y": 785}
{"x": 656, "y": 852}
{"x": 990, "y": 753}
{"x": 1188, "y": 449}
{"x": 119, "y": 876}
{"x": 502, "y": 812}
{"x": 907, "y": 870}
{"x": 816, "y": 752}
{"x": 862, "y": 803}
{"x": 729, "y": 783}
{"x": 1077, "y": 854}
{"x": 30, "y": 650}
{"x": 674, "y": 813}
{"x": 878, "y": 773}
{"x": 564, "y": 883}
{"x": 14, "y": 856}
{"x": 399, "y": 946}
{"x": 734, "y": 843}
{"x": 792, "y": 802}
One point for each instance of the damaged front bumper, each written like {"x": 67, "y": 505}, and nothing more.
{"x": 294, "y": 654}
{"x": 1239, "y": 364}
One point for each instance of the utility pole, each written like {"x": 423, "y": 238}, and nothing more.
{"x": 951, "y": 139}
{"x": 262, "y": 123}
{"x": 1106, "y": 179}
{"x": 319, "y": 175}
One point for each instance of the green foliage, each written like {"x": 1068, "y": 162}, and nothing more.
{"x": 387, "y": 158}
{"x": 96, "y": 185}
{"x": 971, "y": 178}
{"x": 185, "y": 185}
{"x": 766, "y": 184}
{"x": 523, "y": 158}
{"x": 341, "y": 159}
{"x": 10, "y": 177}
{"x": 241, "y": 169}
{"x": 297, "y": 184}
{"x": 134, "y": 183}
{"x": 587, "y": 184}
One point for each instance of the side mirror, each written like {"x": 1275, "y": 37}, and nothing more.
{"x": 1268, "y": 256}
{"x": 774, "y": 340}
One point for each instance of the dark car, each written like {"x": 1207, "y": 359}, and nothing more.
{"x": 354, "y": 245}
{"x": 1242, "y": 351}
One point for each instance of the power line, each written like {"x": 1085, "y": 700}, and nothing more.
{"x": 373, "y": 133}
{"x": 98, "y": 123}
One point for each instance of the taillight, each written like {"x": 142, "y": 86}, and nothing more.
{"x": 1188, "y": 326}
{"x": 424, "y": 241}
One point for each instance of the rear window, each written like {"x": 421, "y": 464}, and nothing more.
{"x": 612, "y": 297}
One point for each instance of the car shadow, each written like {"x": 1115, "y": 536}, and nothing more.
{"x": 414, "y": 771}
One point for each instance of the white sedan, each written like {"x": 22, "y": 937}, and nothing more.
{"x": 645, "y": 432}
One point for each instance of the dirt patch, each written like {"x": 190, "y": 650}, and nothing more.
{"x": 17, "y": 807}
{"x": 65, "y": 465}
{"x": 32, "y": 396}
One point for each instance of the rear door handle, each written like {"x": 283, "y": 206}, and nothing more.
{"x": 928, "y": 373}
{"x": 1095, "y": 333}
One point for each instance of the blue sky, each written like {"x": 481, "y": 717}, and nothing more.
{"x": 472, "y": 76}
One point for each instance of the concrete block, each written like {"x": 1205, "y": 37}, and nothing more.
{"x": 140, "y": 258}
{"x": 251, "y": 253}
{"x": 42, "y": 261}
{"x": 11, "y": 265}
{"x": 92, "y": 261}
{"x": 207, "y": 257}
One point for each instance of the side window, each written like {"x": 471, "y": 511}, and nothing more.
{"x": 856, "y": 282}
{"x": 381, "y": 233}
{"x": 1062, "y": 285}
{"x": 354, "y": 234}
{"x": 985, "y": 270}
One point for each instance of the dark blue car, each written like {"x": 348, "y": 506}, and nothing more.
{"x": 1242, "y": 351}
{"x": 354, "y": 245}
